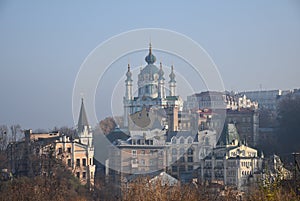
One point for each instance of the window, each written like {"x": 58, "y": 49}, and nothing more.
{"x": 77, "y": 162}
{"x": 78, "y": 175}
{"x": 181, "y": 159}
{"x": 181, "y": 141}
{"x": 143, "y": 152}
{"x": 84, "y": 175}
{"x": 190, "y": 159}
{"x": 190, "y": 168}
{"x": 182, "y": 168}
{"x": 174, "y": 151}
{"x": 181, "y": 151}
{"x": 134, "y": 153}
{"x": 206, "y": 141}
{"x": 190, "y": 151}
{"x": 173, "y": 140}
{"x": 92, "y": 175}
{"x": 160, "y": 162}
{"x": 83, "y": 162}
{"x": 69, "y": 150}
{"x": 174, "y": 168}
{"x": 190, "y": 140}
{"x": 59, "y": 150}
{"x": 151, "y": 161}
{"x": 143, "y": 161}
{"x": 91, "y": 161}
{"x": 69, "y": 162}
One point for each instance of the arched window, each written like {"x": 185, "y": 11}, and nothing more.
{"x": 190, "y": 151}
{"x": 206, "y": 141}
{"x": 182, "y": 141}
{"x": 190, "y": 140}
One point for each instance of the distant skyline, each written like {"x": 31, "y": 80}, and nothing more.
{"x": 253, "y": 43}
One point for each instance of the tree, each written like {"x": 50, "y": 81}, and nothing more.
{"x": 289, "y": 124}
{"x": 107, "y": 125}
{"x": 15, "y": 129}
{"x": 3, "y": 137}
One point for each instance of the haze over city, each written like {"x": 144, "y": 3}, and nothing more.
{"x": 254, "y": 44}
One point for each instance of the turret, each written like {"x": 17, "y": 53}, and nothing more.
{"x": 128, "y": 84}
{"x": 172, "y": 82}
{"x": 161, "y": 82}
{"x": 84, "y": 130}
{"x": 128, "y": 96}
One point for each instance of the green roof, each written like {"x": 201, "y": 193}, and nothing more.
{"x": 228, "y": 134}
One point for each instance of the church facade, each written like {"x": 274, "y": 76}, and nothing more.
{"x": 152, "y": 97}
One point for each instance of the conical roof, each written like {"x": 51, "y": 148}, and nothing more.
{"x": 82, "y": 120}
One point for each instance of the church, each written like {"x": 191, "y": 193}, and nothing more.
{"x": 152, "y": 104}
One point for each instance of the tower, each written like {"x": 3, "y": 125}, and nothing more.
{"x": 161, "y": 83}
{"x": 85, "y": 136}
{"x": 128, "y": 83}
{"x": 83, "y": 128}
{"x": 128, "y": 96}
{"x": 172, "y": 82}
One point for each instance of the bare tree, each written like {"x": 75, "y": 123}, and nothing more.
{"x": 14, "y": 130}
{"x": 3, "y": 137}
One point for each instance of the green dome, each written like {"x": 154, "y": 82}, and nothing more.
{"x": 150, "y": 69}
{"x": 150, "y": 58}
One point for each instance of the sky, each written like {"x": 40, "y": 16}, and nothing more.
{"x": 255, "y": 44}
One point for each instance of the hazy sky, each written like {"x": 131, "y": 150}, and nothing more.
{"x": 43, "y": 44}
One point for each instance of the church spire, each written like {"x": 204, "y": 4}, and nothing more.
{"x": 82, "y": 120}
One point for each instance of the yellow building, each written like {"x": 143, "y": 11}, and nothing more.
{"x": 77, "y": 152}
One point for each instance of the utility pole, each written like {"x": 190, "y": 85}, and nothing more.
{"x": 296, "y": 171}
